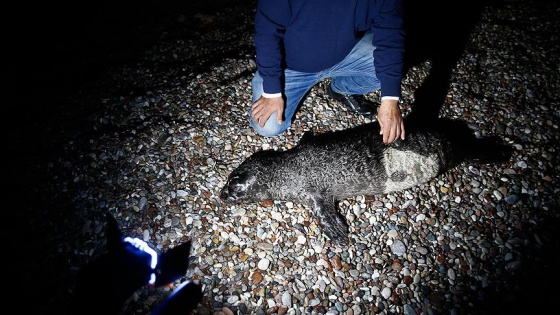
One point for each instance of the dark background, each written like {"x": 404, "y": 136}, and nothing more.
{"x": 53, "y": 53}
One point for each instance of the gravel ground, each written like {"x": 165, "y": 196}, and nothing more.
{"x": 145, "y": 116}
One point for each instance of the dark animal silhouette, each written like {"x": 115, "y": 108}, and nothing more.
{"x": 325, "y": 168}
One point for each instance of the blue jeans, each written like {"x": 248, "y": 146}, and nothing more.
{"x": 355, "y": 74}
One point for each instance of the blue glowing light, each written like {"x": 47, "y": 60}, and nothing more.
{"x": 143, "y": 246}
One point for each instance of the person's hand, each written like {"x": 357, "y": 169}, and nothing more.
{"x": 265, "y": 107}
{"x": 391, "y": 121}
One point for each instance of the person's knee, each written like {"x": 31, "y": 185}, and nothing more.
{"x": 267, "y": 131}
{"x": 270, "y": 129}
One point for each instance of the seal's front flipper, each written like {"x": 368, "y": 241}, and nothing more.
{"x": 330, "y": 220}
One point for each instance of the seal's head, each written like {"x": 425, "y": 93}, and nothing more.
{"x": 248, "y": 182}
{"x": 238, "y": 187}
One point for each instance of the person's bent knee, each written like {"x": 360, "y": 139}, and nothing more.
{"x": 267, "y": 131}
{"x": 270, "y": 129}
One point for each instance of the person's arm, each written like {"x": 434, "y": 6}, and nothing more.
{"x": 270, "y": 19}
{"x": 388, "y": 56}
{"x": 389, "y": 42}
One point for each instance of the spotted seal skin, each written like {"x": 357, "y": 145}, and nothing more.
{"x": 326, "y": 168}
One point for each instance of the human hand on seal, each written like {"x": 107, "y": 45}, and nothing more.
{"x": 265, "y": 107}
{"x": 391, "y": 121}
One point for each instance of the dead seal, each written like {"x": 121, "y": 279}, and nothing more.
{"x": 326, "y": 168}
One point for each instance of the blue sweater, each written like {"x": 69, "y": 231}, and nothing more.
{"x": 313, "y": 35}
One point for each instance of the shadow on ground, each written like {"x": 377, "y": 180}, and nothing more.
{"x": 437, "y": 31}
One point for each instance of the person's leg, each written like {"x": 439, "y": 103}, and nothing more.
{"x": 355, "y": 74}
{"x": 297, "y": 84}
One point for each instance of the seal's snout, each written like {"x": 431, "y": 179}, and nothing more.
{"x": 230, "y": 193}
{"x": 224, "y": 193}
{"x": 238, "y": 188}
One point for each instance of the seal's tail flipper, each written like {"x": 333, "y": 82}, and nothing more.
{"x": 490, "y": 150}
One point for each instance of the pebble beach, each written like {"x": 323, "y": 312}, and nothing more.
{"x": 151, "y": 134}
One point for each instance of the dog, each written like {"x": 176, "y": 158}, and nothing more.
{"x": 323, "y": 169}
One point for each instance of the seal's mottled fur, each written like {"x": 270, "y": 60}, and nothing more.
{"x": 325, "y": 168}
